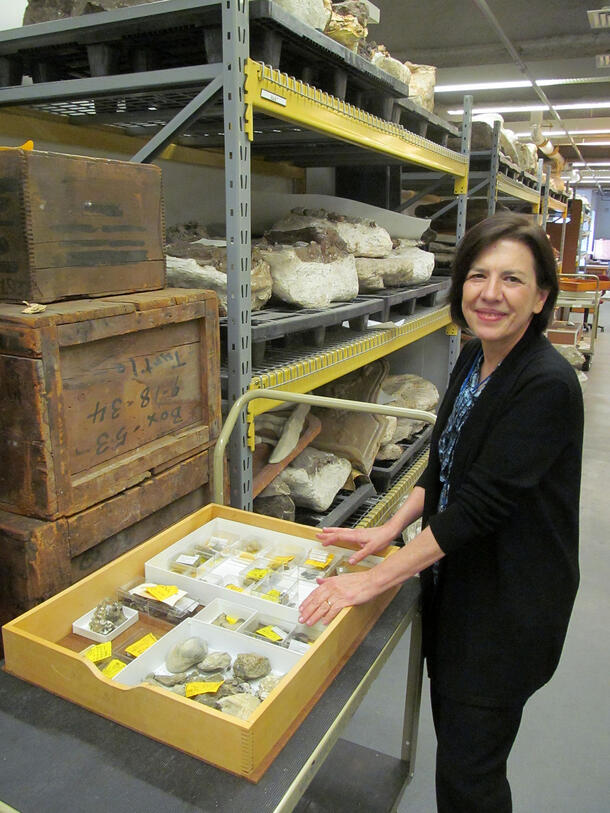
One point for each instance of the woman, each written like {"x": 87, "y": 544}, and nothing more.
{"x": 498, "y": 553}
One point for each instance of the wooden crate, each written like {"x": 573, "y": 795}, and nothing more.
{"x": 37, "y": 648}
{"x": 75, "y": 226}
{"x": 38, "y": 558}
{"x": 94, "y": 394}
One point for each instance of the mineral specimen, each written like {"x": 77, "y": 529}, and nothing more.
{"x": 215, "y": 661}
{"x": 185, "y": 654}
{"x": 239, "y": 705}
{"x": 203, "y": 264}
{"x": 267, "y": 685}
{"x": 362, "y": 238}
{"x": 250, "y": 666}
{"x": 315, "y": 477}
{"x": 227, "y": 623}
{"x": 106, "y": 617}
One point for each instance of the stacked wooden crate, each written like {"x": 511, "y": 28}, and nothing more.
{"x": 109, "y": 406}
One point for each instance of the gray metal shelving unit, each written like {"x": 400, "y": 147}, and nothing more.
{"x": 184, "y": 72}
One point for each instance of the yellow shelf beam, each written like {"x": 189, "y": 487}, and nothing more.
{"x": 316, "y": 369}
{"x": 284, "y": 97}
{"x": 518, "y": 190}
{"x": 558, "y": 206}
{"x": 391, "y": 501}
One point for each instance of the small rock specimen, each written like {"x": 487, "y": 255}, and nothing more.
{"x": 107, "y": 616}
{"x": 239, "y": 705}
{"x": 267, "y": 685}
{"x": 223, "y": 621}
{"x": 315, "y": 477}
{"x": 185, "y": 654}
{"x": 215, "y": 661}
{"x": 250, "y": 666}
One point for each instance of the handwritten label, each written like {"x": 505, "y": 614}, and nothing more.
{"x": 113, "y": 668}
{"x": 202, "y": 687}
{"x": 162, "y": 591}
{"x": 278, "y": 561}
{"x": 257, "y": 573}
{"x": 272, "y": 595}
{"x": 99, "y": 652}
{"x": 319, "y": 559}
{"x": 272, "y": 633}
{"x": 186, "y": 559}
{"x": 141, "y": 645}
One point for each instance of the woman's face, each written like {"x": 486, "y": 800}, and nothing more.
{"x": 500, "y": 294}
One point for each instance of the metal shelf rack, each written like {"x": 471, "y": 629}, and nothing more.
{"x": 174, "y": 73}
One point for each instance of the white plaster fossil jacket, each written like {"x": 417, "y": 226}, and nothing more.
{"x": 496, "y": 619}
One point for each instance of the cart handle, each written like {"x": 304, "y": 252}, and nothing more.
{"x": 299, "y": 398}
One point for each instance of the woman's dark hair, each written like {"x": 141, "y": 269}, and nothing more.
{"x": 506, "y": 226}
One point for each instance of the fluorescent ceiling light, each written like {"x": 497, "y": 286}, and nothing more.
{"x": 591, "y": 163}
{"x": 599, "y": 18}
{"x": 602, "y": 60}
{"x": 531, "y": 108}
{"x": 592, "y": 143}
{"x": 519, "y": 83}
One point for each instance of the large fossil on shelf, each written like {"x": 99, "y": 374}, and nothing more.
{"x": 203, "y": 264}
{"x": 41, "y": 11}
{"x": 311, "y": 275}
{"x": 315, "y": 13}
{"x": 411, "y": 391}
{"x": 406, "y": 265}
{"x": 362, "y": 238}
{"x": 314, "y": 478}
{"x": 356, "y": 436}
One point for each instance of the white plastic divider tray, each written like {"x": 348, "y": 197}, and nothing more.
{"x": 218, "y": 640}
{"x": 81, "y": 625}
{"x": 158, "y": 569}
{"x": 230, "y": 608}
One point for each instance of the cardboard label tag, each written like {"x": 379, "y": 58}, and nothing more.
{"x": 141, "y": 645}
{"x": 231, "y": 619}
{"x": 235, "y": 587}
{"x": 272, "y": 595}
{"x": 278, "y": 561}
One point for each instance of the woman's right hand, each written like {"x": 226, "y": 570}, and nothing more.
{"x": 369, "y": 540}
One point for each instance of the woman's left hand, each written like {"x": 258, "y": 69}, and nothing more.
{"x": 335, "y": 593}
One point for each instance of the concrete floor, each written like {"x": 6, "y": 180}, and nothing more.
{"x": 560, "y": 760}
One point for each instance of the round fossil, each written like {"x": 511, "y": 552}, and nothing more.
{"x": 215, "y": 661}
{"x": 185, "y": 654}
{"x": 267, "y": 685}
{"x": 250, "y": 666}
{"x": 239, "y": 705}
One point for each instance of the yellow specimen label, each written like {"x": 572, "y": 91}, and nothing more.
{"x": 141, "y": 645}
{"x": 113, "y": 668}
{"x": 162, "y": 591}
{"x": 270, "y": 633}
{"x": 257, "y": 573}
{"x": 319, "y": 560}
{"x": 202, "y": 687}
{"x": 272, "y": 595}
{"x": 99, "y": 652}
{"x": 231, "y": 619}
{"x": 235, "y": 587}
{"x": 278, "y": 561}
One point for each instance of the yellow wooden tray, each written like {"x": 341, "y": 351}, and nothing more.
{"x": 40, "y": 648}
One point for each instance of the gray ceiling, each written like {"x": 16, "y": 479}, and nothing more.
{"x": 553, "y": 39}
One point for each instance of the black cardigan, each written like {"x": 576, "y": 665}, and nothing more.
{"x": 495, "y": 622}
